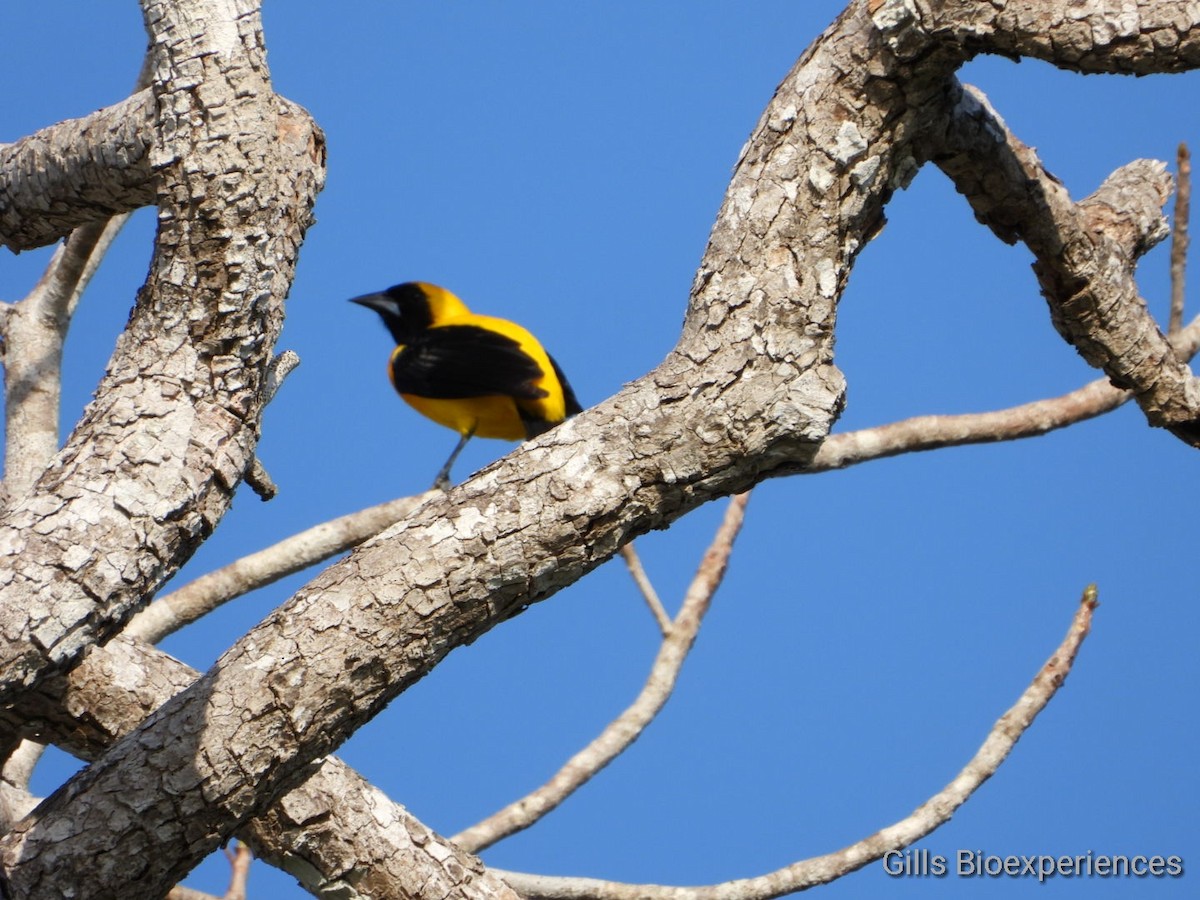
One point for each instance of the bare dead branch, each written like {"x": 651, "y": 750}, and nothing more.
{"x": 1179, "y": 235}
{"x": 177, "y": 413}
{"x": 1085, "y": 253}
{"x": 338, "y": 835}
{"x": 76, "y": 173}
{"x": 33, "y": 333}
{"x": 805, "y": 874}
{"x": 749, "y": 391}
{"x": 625, "y": 729}
{"x": 179, "y": 892}
{"x": 1027, "y": 420}
{"x": 171, "y": 612}
{"x": 634, "y": 563}
{"x": 239, "y": 858}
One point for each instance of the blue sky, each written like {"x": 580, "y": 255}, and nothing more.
{"x": 560, "y": 165}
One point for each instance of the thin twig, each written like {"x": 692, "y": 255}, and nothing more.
{"x": 1024, "y": 421}
{"x": 634, "y": 563}
{"x": 239, "y": 858}
{"x": 625, "y": 729}
{"x": 179, "y": 892}
{"x": 171, "y": 612}
{"x": 822, "y": 869}
{"x": 1179, "y": 235}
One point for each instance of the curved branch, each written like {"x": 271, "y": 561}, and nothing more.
{"x": 1139, "y": 38}
{"x": 933, "y": 813}
{"x": 153, "y": 465}
{"x": 628, "y": 726}
{"x": 76, "y": 173}
{"x": 1085, "y": 253}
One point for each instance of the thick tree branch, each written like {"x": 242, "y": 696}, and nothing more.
{"x": 805, "y": 874}
{"x": 171, "y": 612}
{"x": 1085, "y": 253}
{"x": 152, "y": 466}
{"x": 338, "y": 835}
{"x": 1129, "y": 38}
{"x": 76, "y": 173}
{"x": 628, "y": 726}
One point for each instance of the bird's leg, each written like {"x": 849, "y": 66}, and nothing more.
{"x": 442, "y": 482}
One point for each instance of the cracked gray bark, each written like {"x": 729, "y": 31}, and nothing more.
{"x": 749, "y": 392}
{"x": 76, "y": 173}
{"x": 1085, "y": 253}
{"x": 152, "y": 466}
{"x": 339, "y": 836}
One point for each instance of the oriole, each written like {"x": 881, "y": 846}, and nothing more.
{"x": 476, "y": 374}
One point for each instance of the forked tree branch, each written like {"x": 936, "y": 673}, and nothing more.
{"x": 627, "y": 727}
{"x": 1085, "y": 253}
{"x": 750, "y": 391}
{"x": 805, "y": 874}
{"x": 645, "y": 587}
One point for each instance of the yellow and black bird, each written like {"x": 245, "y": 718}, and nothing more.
{"x": 476, "y": 374}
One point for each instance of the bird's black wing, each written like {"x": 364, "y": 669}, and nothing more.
{"x": 455, "y": 361}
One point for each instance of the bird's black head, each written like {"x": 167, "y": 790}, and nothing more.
{"x": 404, "y": 308}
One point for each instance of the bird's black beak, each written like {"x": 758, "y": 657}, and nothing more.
{"x": 389, "y": 311}
{"x": 381, "y": 303}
